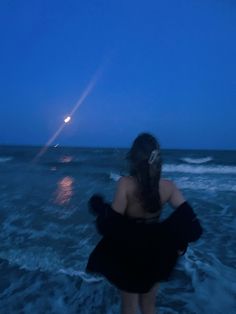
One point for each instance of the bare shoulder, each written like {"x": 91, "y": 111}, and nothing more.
{"x": 127, "y": 185}
{"x": 166, "y": 188}
{"x": 127, "y": 182}
{"x": 166, "y": 184}
{"x": 124, "y": 181}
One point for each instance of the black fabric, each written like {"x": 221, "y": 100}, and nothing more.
{"x": 183, "y": 222}
{"x": 134, "y": 254}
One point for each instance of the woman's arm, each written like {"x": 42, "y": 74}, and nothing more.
{"x": 119, "y": 203}
{"x": 176, "y": 198}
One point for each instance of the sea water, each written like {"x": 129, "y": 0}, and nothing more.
{"x": 47, "y": 233}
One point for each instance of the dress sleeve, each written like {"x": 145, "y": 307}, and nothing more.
{"x": 108, "y": 222}
{"x": 184, "y": 225}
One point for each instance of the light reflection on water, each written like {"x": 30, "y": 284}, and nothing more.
{"x": 64, "y": 190}
{"x": 66, "y": 159}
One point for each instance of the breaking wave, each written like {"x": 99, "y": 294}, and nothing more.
{"x": 197, "y": 160}
{"x": 200, "y": 169}
{"x": 5, "y": 159}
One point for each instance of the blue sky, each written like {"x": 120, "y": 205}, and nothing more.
{"x": 167, "y": 67}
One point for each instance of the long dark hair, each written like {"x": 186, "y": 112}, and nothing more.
{"x": 145, "y": 165}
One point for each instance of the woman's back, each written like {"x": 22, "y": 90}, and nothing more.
{"x": 134, "y": 254}
{"x": 127, "y": 201}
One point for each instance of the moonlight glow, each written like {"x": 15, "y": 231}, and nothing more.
{"x": 67, "y": 119}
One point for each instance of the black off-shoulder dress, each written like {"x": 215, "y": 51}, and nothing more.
{"x": 136, "y": 253}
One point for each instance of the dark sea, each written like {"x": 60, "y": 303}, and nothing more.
{"x": 47, "y": 233}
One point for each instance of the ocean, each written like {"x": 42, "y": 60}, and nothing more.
{"x": 47, "y": 232}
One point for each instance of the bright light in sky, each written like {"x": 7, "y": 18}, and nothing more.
{"x": 86, "y": 92}
{"x": 67, "y": 119}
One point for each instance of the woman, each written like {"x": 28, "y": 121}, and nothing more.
{"x": 136, "y": 252}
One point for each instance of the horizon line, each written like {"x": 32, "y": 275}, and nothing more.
{"x": 114, "y": 147}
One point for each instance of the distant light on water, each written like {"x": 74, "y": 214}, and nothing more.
{"x": 64, "y": 191}
{"x": 67, "y": 119}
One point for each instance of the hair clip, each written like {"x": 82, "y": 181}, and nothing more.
{"x": 154, "y": 156}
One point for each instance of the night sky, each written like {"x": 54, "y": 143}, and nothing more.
{"x": 167, "y": 67}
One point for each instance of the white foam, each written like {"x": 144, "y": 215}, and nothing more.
{"x": 83, "y": 275}
{"x": 206, "y": 184}
{"x": 213, "y": 282}
{"x": 196, "y": 160}
{"x": 46, "y": 260}
{"x": 114, "y": 176}
{"x": 37, "y": 258}
{"x": 199, "y": 169}
{"x": 5, "y": 159}
{"x": 194, "y": 169}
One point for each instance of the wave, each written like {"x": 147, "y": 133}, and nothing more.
{"x": 5, "y": 159}
{"x": 203, "y": 184}
{"x": 196, "y": 160}
{"x": 114, "y": 176}
{"x": 206, "y": 274}
{"x": 45, "y": 260}
{"x": 189, "y": 169}
{"x": 37, "y": 258}
{"x": 82, "y": 274}
{"x": 206, "y": 184}
{"x": 199, "y": 169}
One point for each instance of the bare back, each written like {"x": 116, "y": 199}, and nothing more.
{"x": 126, "y": 199}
